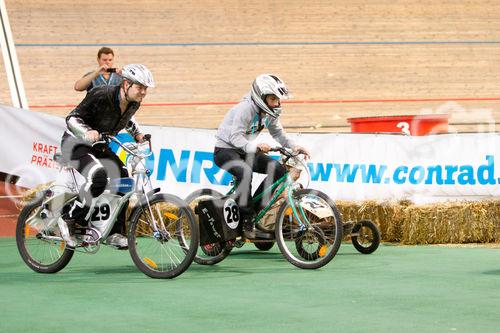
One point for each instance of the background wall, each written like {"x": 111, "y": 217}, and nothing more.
{"x": 340, "y": 58}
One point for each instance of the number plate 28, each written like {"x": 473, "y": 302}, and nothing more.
{"x": 231, "y": 213}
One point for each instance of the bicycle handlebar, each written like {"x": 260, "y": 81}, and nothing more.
{"x": 285, "y": 151}
{"x": 290, "y": 154}
{"x": 106, "y": 138}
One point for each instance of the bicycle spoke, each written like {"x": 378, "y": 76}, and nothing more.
{"x": 167, "y": 249}
{"x": 40, "y": 254}
{"x": 315, "y": 245}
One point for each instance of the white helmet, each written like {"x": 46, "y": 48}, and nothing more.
{"x": 268, "y": 84}
{"x": 139, "y": 74}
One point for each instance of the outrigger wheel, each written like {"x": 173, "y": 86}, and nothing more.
{"x": 365, "y": 236}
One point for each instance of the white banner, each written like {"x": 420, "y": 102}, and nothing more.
{"x": 29, "y": 141}
{"x": 345, "y": 166}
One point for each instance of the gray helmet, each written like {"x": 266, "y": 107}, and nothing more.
{"x": 140, "y": 74}
{"x": 268, "y": 84}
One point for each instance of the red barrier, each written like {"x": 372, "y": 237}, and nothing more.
{"x": 410, "y": 125}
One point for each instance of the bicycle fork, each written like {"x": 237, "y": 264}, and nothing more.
{"x": 298, "y": 213}
{"x": 162, "y": 234}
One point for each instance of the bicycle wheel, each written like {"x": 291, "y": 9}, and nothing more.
{"x": 316, "y": 245}
{"x": 168, "y": 252}
{"x": 209, "y": 254}
{"x": 39, "y": 251}
{"x": 311, "y": 244}
{"x": 365, "y": 236}
{"x": 264, "y": 246}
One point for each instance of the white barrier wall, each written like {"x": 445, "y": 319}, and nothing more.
{"x": 345, "y": 166}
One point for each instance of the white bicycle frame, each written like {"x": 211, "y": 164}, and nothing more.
{"x": 55, "y": 199}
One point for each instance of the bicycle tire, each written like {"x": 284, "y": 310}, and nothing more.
{"x": 210, "y": 254}
{"x": 264, "y": 246}
{"x": 288, "y": 234}
{"x": 176, "y": 242}
{"x": 311, "y": 255}
{"x": 373, "y": 239}
{"x": 58, "y": 256}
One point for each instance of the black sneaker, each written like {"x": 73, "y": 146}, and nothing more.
{"x": 248, "y": 227}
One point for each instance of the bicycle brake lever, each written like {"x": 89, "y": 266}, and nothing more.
{"x": 103, "y": 140}
{"x": 287, "y": 152}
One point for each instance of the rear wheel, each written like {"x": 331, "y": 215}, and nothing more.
{"x": 365, "y": 236}
{"x": 314, "y": 243}
{"x": 168, "y": 252}
{"x": 209, "y": 254}
{"x": 32, "y": 237}
{"x": 264, "y": 246}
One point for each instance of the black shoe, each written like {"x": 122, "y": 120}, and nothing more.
{"x": 75, "y": 212}
{"x": 248, "y": 227}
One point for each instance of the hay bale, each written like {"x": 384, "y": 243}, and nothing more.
{"x": 448, "y": 223}
{"x": 30, "y": 194}
{"x": 457, "y": 222}
{"x": 493, "y": 209}
{"x": 386, "y": 215}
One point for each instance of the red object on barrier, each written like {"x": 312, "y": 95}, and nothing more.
{"x": 417, "y": 125}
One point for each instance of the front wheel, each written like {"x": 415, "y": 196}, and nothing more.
{"x": 314, "y": 241}
{"x": 167, "y": 252}
{"x": 365, "y": 236}
{"x": 39, "y": 242}
{"x": 209, "y": 254}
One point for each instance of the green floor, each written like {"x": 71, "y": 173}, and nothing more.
{"x": 396, "y": 289}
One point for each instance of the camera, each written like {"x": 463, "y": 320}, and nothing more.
{"x": 111, "y": 70}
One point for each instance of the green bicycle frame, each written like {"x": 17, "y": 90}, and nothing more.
{"x": 282, "y": 184}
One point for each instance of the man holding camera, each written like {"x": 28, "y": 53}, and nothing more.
{"x": 104, "y": 75}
